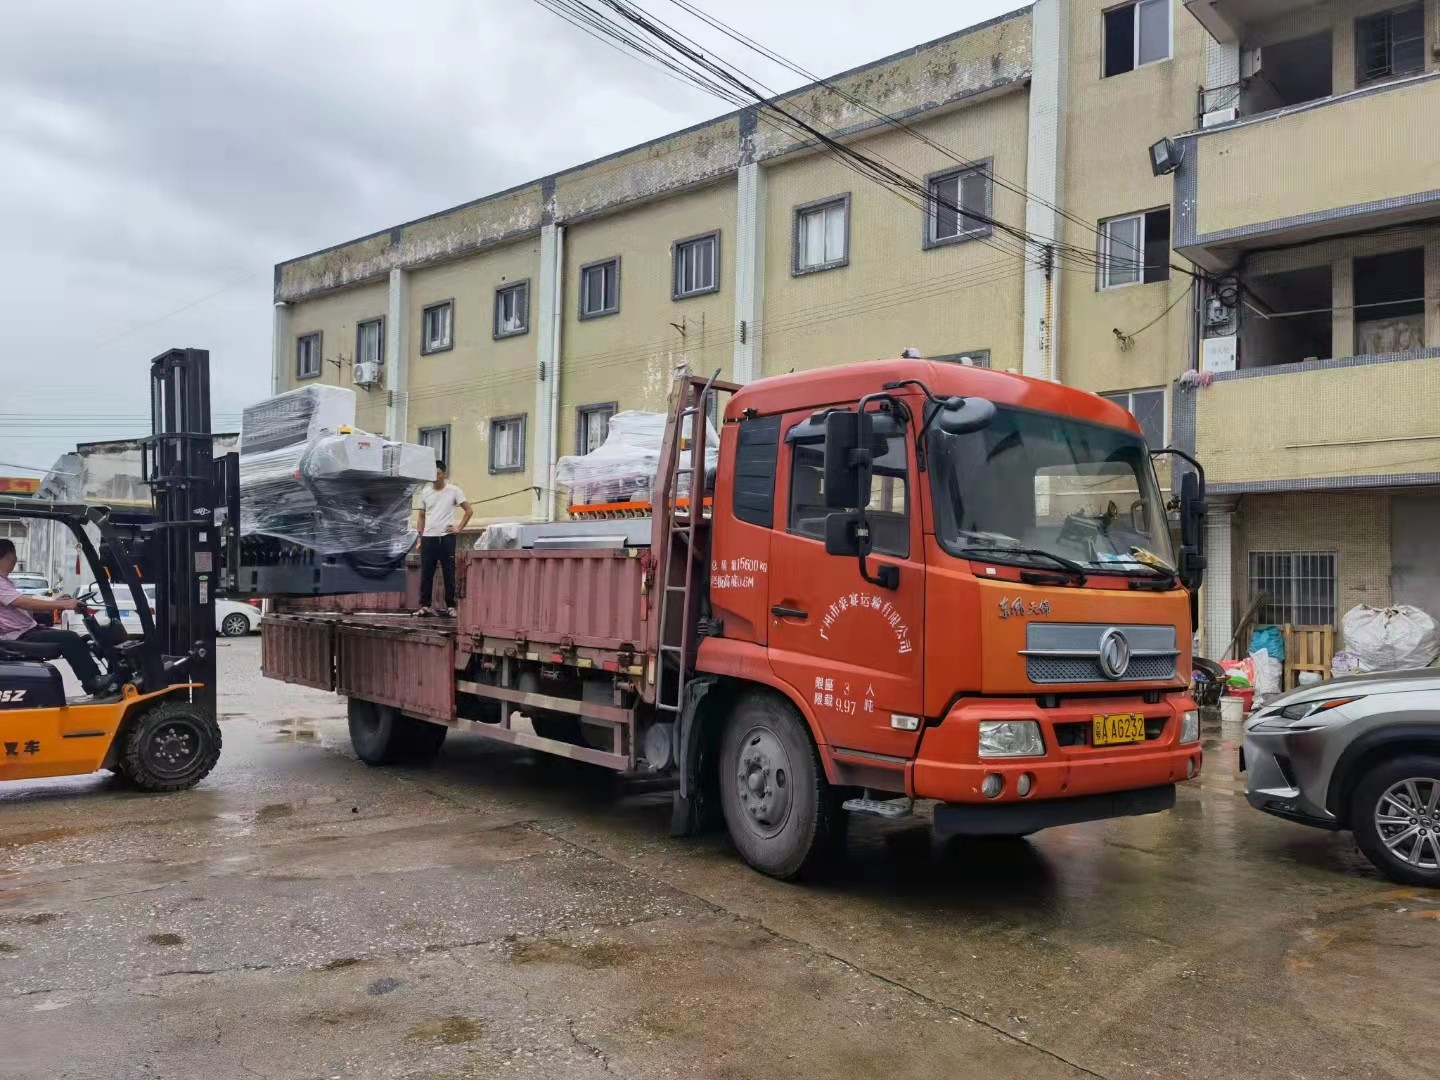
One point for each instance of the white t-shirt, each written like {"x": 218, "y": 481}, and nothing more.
{"x": 439, "y": 506}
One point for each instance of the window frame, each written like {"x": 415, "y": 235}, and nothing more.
{"x": 1292, "y": 578}
{"x": 1129, "y": 396}
{"x": 583, "y": 411}
{"x": 761, "y": 432}
{"x": 796, "y": 213}
{"x": 426, "y": 349}
{"x": 495, "y": 421}
{"x": 585, "y": 269}
{"x": 300, "y": 339}
{"x": 443, "y": 430}
{"x": 1389, "y": 15}
{"x": 1104, "y": 237}
{"x": 984, "y": 166}
{"x": 500, "y": 292}
{"x": 805, "y": 434}
{"x": 379, "y": 321}
{"x": 968, "y": 354}
{"x": 676, "y": 250}
{"x": 1135, "y": 62}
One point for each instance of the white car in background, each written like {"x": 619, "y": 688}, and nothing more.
{"x": 232, "y": 618}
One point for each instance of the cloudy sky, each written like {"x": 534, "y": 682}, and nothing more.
{"x": 162, "y": 155}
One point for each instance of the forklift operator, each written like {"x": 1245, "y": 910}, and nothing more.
{"x": 17, "y": 624}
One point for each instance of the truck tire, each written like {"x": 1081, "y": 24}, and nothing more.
{"x": 170, "y": 747}
{"x": 1401, "y": 838}
{"x": 778, "y": 807}
{"x": 383, "y": 735}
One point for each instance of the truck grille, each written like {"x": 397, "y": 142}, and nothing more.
{"x": 1059, "y": 669}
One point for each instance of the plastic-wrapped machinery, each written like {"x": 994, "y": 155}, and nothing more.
{"x": 309, "y": 481}
{"x": 622, "y": 469}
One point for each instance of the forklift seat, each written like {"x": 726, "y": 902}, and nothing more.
{"x": 29, "y": 650}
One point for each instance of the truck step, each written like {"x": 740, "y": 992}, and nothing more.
{"x": 891, "y": 809}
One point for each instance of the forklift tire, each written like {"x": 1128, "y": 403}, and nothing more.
{"x": 170, "y": 747}
{"x": 383, "y": 735}
{"x": 779, "y": 809}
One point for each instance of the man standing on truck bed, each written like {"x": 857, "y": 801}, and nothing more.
{"x": 437, "y": 527}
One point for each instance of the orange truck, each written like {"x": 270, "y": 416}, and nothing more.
{"x": 908, "y": 581}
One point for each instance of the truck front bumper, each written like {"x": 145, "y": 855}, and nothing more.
{"x": 1079, "y": 779}
{"x": 1031, "y": 815}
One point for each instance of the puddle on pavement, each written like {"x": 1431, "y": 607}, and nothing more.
{"x": 36, "y": 836}
{"x": 165, "y": 939}
{"x": 449, "y": 1031}
{"x": 592, "y": 956}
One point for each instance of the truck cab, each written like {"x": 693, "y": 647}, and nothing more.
{"x": 964, "y": 582}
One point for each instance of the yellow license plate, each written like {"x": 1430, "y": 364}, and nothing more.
{"x": 1117, "y": 728}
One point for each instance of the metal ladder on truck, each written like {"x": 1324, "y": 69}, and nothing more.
{"x": 679, "y": 537}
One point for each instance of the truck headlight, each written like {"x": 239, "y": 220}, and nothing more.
{"x": 1190, "y": 726}
{"x": 1011, "y": 738}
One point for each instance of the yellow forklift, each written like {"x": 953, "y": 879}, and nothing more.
{"x": 155, "y": 725}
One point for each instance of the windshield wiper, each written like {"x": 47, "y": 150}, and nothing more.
{"x": 1070, "y": 565}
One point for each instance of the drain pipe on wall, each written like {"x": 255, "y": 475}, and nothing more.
{"x": 547, "y": 386}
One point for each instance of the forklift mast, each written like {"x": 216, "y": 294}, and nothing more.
{"x": 183, "y": 541}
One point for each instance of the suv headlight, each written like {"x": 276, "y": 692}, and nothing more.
{"x": 1190, "y": 726}
{"x": 1011, "y": 738}
{"x": 1305, "y": 716}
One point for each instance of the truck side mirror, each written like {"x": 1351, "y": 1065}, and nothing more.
{"x": 840, "y": 538}
{"x": 1192, "y": 531}
{"x": 847, "y": 465}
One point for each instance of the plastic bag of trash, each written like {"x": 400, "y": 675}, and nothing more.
{"x": 1239, "y": 674}
{"x": 1269, "y": 638}
{"x": 1390, "y": 639}
{"x": 1344, "y": 663}
{"x": 1267, "y": 673}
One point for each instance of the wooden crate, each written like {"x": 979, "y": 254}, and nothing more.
{"x": 1307, "y": 648}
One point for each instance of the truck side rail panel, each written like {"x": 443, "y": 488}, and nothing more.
{"x": 298, "y": 650}
{"x": 412, "y": 669}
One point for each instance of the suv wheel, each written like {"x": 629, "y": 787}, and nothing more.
{"x": 1396, "y": 817}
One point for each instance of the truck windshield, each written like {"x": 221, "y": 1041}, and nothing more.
{"x": 1042, "y": 490}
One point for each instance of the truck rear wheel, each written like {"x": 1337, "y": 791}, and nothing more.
{"x": 383, "y": 735}
{"x": 778, "y": 807}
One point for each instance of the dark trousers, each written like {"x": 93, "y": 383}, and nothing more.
{"x": 72, "y": 646}
{"x": 437, "y": 550}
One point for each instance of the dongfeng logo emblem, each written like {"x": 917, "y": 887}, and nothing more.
{"x": 1114, "y": 654}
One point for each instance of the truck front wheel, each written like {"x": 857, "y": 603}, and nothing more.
{"x": 382, "y": 735}
{"x": 778, "y": 807}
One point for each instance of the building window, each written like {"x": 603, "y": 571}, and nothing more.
{"x": 370, "y": 342}
{"x": 1390, "y": 44}
{"x": 307, "y": 356}
{"x": 512, "y": 309}
{"x": 958, "y": 207}
{"x": 822, "y": 235}
{"x": 1136, "y": 34}
{"x": 437, "y": 327}
{"x": 887, "y": 514}
{"x": 1298, "y": 586}
{"x": 507, "y": 444}
{"x": 438, "y": 439}
{"x": 973, "y": 358}
{"x": 600, "y": 289}
{"x": 697, "y": 266}
{"x": 1390, "y": 303}
{"x": 1148, "y": 408}
{"x": 757, "y": 447}
{"x": 1135, "y": 249}
{"x": 592, "y": 424}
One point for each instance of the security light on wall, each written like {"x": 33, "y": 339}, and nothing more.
{"x": 1165, "y": 157}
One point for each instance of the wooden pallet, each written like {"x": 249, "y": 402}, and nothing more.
{"x": 1307, "y": 648}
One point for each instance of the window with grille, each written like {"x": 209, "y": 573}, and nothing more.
{"x": 1390, "y": 44}
{"x": 512, "y": 309}
{"x": 600, "y": 289}
{"x": 1299, "y": 586}
{"x": 437, "y": 327}
{"x": 697, "y": 266}
{"x": 592, "y": 424}
{"x": 959, "y": 206}
{"x": 822, "y": 235}
{"x": 370, "y": 342}
{"x": 1148, "y": 408}
{"x": 507, "y": 444}
{"x": 307, "y": 356}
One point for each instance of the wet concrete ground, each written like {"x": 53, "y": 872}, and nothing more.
{"x": 302, "y": 916}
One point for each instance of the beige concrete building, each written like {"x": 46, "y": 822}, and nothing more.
{"x": 507, "y": 330}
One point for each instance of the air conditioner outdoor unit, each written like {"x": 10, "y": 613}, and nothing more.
{"x": 367, "y": 373}
{"x": 1216, "y": 117}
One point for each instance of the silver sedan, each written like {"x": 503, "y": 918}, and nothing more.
{"x": 1359, "y": 753}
